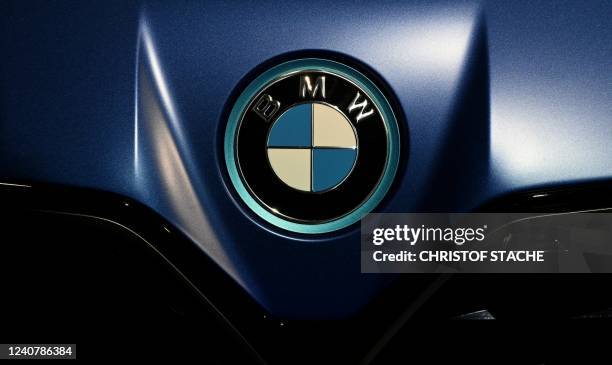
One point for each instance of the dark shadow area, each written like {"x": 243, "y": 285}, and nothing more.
{"x": 72, "y": 279}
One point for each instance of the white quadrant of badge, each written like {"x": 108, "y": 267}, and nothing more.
{"x": 312, "y": 147}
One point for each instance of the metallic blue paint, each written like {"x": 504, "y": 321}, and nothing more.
{"x": 130, "y": 97}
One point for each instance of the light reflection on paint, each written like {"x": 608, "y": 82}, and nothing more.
{"x": 159, "y": 128}
{"x": 426, "y": 47}
{"x": 548, "y": 132}
{"x": 15, "y": 185}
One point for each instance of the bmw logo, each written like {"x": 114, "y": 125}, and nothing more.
{"x": 312, "y": 145}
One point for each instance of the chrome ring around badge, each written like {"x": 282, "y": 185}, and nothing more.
{"x": 311, "y": 145}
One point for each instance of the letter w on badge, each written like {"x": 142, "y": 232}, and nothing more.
{"x": 362, "y": 107}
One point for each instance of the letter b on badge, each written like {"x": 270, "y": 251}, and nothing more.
{"x": 266, "y": 107}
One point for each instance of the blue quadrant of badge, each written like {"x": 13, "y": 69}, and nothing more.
{"x": 293, "y": 128}
{"x": 330, "y": 166}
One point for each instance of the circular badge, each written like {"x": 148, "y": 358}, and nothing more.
{"x": 312, "y": 145}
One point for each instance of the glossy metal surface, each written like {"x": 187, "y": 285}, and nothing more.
{"x": 131, "y": 97}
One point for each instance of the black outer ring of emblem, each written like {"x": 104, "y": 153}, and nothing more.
{"x": 307, "y": 207}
